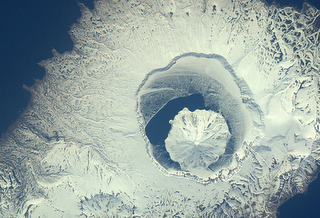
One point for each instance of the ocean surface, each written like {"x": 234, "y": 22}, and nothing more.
{"x": 31, "y": 29}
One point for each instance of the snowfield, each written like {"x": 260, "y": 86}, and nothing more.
{"x": 80, "y": 148}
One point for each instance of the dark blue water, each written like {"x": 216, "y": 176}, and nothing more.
{"x": 308, "y": 204}
{"x": 158, "y": 127}
{"x": 31, "y": 28}
{"x": 294, "y": 3}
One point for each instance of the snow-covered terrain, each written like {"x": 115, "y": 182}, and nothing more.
{"x": 80, "y": 149}
{"x": 197, "y": 139}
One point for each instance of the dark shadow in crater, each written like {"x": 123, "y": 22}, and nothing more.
{"x": 163, "y": 93}
{"x": 158, "y": 128}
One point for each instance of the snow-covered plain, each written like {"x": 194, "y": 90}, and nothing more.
{"x": 80, "y": 148}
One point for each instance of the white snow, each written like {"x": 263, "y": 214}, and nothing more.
{"x": 197, "y": 139}
{"x": 80, "y": 150}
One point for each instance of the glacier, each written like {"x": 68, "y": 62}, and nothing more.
{"x": 80, "y": 149}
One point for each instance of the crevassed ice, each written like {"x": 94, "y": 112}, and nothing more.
{"x": 79, "y": 149}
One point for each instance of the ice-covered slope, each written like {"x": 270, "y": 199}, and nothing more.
{"x": 197, "y": 139}
{"x": 80, "y": 150}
